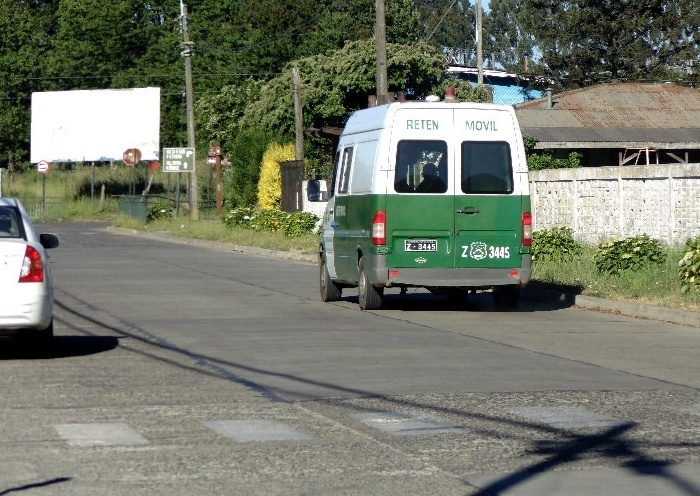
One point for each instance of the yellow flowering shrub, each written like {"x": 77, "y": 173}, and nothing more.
{"x": 270, "y": 183}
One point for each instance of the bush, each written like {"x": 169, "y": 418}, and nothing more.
{"x": 689, "y": 266}
{"x": 241, "y": 216}
{"x": 291, "y": 224}
{"x": 557, "y": 243}
{"x": 634, "y": 253}
{"x": 161, "y": 211}
{"x": 540, "y": 161}
{"x": 270, "y": 184}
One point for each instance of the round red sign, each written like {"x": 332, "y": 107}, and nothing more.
{"x": 42, "y": 166}
{"x": 132, "y": 156}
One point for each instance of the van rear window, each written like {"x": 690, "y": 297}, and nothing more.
{"x": 486, "y": 167}
{"x": 421, "y": 166}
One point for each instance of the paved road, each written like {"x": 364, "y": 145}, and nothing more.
{"x": 183, "y": 369}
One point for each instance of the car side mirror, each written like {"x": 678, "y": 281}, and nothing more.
{"x": 48, "y": 240}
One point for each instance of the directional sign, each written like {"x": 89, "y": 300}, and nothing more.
{"x": 178, "y": 159}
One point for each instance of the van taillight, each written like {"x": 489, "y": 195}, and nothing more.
{"x": 379, "y": 228}
{"x": 527, "y": 229}
{"x": 32, "y": 266}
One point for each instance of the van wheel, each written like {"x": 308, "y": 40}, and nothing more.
{"x": 330, "y": 291}
{"x": 370, "y": 297}
{"x": 506, "y": 297}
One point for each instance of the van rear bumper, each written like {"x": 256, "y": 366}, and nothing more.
{"x": 450, "y": 277}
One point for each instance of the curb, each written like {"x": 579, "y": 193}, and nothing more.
{"x": 627, "y": 308}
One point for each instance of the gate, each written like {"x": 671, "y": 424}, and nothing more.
{"x": 292, "y": 175}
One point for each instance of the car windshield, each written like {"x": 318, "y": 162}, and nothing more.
{"x": 9, "y": 223}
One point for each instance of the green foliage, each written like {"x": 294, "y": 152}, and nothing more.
{"x": 554, "y": 244}
{"x": 464, "y": 92}
{"x": 584, "y": 41}
{"x": 540, "y": 161}
{"x": 689, "y": 266}
{"x": 633, "y": 253}
{"x": 291, "y": 224}
{"x": 241, "y": 178}
{"x": 159, "y": 212}
{"x": 529, "y": 143}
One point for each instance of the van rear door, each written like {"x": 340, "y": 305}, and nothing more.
{"x": 488, "y": 199}
{"x": 419, "y": 201}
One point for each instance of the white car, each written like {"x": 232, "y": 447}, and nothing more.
{"x": 26, "y": 286}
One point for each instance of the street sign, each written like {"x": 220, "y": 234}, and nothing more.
{"x": 178, "y": 159}
{"x": 42, "y": 166}
{"x": 132, "y": 156}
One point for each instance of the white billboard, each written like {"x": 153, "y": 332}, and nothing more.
{"x": 95, "y": 125}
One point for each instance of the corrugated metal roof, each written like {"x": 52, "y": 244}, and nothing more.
{"x": 616, "y": 113}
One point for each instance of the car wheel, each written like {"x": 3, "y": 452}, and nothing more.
{"x": 330, "y": 291}
{"x": 506, "y": 297}
{"x": 370, "y": 297}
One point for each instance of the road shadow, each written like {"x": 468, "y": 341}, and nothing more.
{"x": 63, "y": 347}
{"x": 531, "y": 300}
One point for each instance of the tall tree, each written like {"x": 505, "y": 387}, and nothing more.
{"x": 94, "y": 41}
{"x": 26, "y": 28}
{"x": 450, "y": 24}
{"x": 507, "y": 43}
{"x": 585, "y": 41}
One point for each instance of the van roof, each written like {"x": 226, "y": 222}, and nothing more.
{"x": 381, "y": 116}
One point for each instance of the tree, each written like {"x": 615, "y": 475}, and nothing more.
{"x": 25, "y": 43}
{"x": 586, "y": 41}
{"x": 451, "y": 26}
{"x": 507, "y": 43}
{"x": 94, "y": 40}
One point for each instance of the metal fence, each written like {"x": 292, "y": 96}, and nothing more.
{"x": 44, "y": 208}
{"x": 140, "y": 206}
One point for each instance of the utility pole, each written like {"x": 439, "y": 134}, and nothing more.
{"x": 187, "y": 55}
{"x": 380, "y": 34}
{"x": 479, "y": 45}
{"x": 298, "y": 116}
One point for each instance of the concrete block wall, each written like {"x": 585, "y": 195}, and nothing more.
{"x": 600, "y": 203}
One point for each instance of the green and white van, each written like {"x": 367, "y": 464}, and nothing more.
{"x": 432, "y": 195}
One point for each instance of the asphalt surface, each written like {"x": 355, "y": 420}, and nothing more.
{"x": 185, "y": 371}
{"x": 627, "y": 308}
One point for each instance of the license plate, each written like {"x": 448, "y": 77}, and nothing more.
{"x": 420, "y": 245}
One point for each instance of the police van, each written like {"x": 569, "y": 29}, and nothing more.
{"x": 429, "y": 194}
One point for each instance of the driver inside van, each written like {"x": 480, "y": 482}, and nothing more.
{"x": 431, "y": 182}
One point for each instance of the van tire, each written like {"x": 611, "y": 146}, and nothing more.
{"x": 369, "y": 297}
{"x": 506, "y": 298}
{"x": 330, "y": 291}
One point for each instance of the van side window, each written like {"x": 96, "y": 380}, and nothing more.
{"x": 336, "y": 169}
{"x": 344, "y": 172}
{"x": 421, "y": 166}
{"x": 486, "y": 167}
